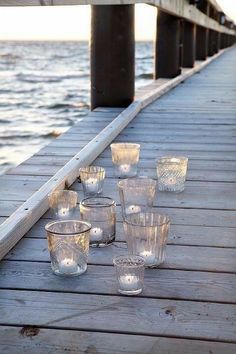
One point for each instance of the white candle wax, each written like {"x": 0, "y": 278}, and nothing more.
{"x": 67, "y": 266}
{"x": 125, "y": 168}
{"x": 96, "y": 234}
{"x": 92, "y": 185}
{"x": 148, "y": 256}
{"x": 129, "y": 282}
{"x": 131, "y": 209}
{"x": 63, "y": 212}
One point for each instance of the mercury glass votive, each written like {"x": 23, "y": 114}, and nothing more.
{"x": 63, "y": 204}
{"x": 92, "y": 179}
{"x": 68, "y": 243}
{"x": 125, "y": 157}
{"x": 146, "y": 236}
{"x": 171, "y": 173}
{"x": 101, "y": 213}
{"x": 130, "y": 274}
{"x": 136, "y": 195}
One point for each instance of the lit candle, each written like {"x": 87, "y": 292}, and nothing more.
{"x": 96, "y": 234}
{"x": 129, "y": 282}
{"x": 67, "y": 266}
{"x": 125, "y": 168}
{"x": 92, "y": 185}
{"x": 63, "y": 212}
{"x": 148, "y": 256}
{"x": 131, "y": 209}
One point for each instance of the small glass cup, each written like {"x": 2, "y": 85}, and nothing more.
{"x": 101, "y": 213}
{"x": 125, "y": 157}
{"x": 92, "y": 179}
{"x": 130, "y": 274}
{"x": 136, "y": 195}
{"x": 63, "y": 204}
{"x": 146, "y": 236}
{"x": 68, "y": 243}
{"x": 171, "y": 173}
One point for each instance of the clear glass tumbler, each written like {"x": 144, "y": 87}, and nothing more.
{"x": 171, "y": 173}
{"x": 101, "y": 213}
{"x": 125, "y": 157}
{"x": 136, "y": 195}
{"x": 68, "y": 243}
{"x": 146, "y": 236}
{"x": 63, "y": 204}
{"x": 92, "y": 179}
{"x": 130, "y": 274}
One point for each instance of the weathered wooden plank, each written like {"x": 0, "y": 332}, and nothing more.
{"x": 18, "y": 341}
{"x": 178, "y": 257}
{"x": 161, "y": 283}
{"x": 133, "y": 315}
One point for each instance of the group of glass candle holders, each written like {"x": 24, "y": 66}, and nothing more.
{"x": 146, "y": 231}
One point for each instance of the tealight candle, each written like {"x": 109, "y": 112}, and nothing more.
{"x": 96, "y": 234}
{"x": 92, "y": 185}
{"x": 129, "y": 282}
{"x": 125, "y": 168}
{"x": 67, "y": 266}
{"x": 63, "y": 212}
{"x": 148, "y": 256}
{"x": 131, "y": 209}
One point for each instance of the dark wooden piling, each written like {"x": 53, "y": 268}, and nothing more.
{"x": 189, "y": 44}
{"x": 201, "y": 43}
{"x": 167, "y": 62}
{"x": 112, "y": 56}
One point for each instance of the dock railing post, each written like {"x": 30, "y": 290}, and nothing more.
{"x": 202, "y": 33}
{"x": 112, "y": 55}
{"x": 167, "y": 53}
{"x": 189, "y": 44}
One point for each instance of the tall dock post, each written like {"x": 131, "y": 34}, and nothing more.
{"x": 167, "y": 63}
{"x": 202, "y": 33}
{"x": 112, "y": 55}
{"x": 189, "y": 44}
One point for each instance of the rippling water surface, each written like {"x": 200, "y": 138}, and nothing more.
{"x": 44, "y": 89}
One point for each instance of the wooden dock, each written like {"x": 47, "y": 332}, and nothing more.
{"x": 188, "y": 305}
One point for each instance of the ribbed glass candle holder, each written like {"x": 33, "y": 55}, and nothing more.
{"x": 92, "y": 179}
{"x": 146, "y": 236}
{"x": 63, "y": 204}
{"x": 101, "y": 213}
{"x": 68, "y": 243}
{"x": 130, "y": 274}
{"x": 171, "y": 173}
{"x": 125, "y": 157}
{"x": 136, "y": 195}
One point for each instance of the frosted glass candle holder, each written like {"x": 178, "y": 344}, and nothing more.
{"x": 68, "y": 243}
{"x": 101, "y": 213}
{"x": 136, "y": 195}
{"x": 125, "y": 157}
{"x": 146, "y": 236}
{"x": 171, "y": 173}
{"x": 63, "y": 204}
{"x": 130, "y": 274}
{"x": 92, "y": 179}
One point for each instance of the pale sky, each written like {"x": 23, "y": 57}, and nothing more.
{"x": 73, "y": 22}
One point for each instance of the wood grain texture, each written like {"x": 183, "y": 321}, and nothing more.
{"x": 18, "y": 341}
{"x": 89, "y": 312}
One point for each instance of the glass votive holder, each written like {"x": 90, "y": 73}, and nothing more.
{"x": 125, "y": 157}
{"x": 136, "y": 195}
{"x": 68, "y": 243}
{"x": 100, "y": 212}
{"x": 146, "y": 236}
{"x": 130, "y": 274}
{"x": 63, "y": 204}
{"x": 171, "y": 173}
{"x": 92, "y": 179}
